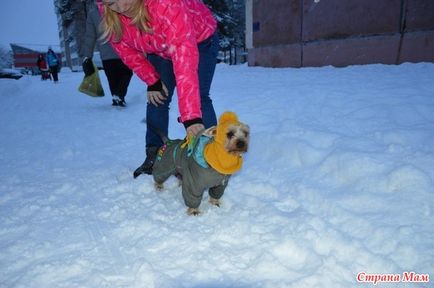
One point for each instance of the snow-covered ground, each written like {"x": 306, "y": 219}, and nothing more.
{"x": 339, "y": 180}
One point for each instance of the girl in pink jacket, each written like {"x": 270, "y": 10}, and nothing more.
{"x": 166, "y": 43}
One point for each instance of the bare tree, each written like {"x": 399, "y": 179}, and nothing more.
{"x": 6, "y": 59}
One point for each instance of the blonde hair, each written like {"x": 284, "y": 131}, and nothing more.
{"x": 111, "y": 24}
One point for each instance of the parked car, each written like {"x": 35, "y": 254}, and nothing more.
{"x": 10, "y": 73}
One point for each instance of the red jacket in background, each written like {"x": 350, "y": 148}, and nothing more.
{"x": 42, "y": 65}
{"x": 177, "y": 28}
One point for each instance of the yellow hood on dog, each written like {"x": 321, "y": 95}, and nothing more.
{"x": 215, "y": 153}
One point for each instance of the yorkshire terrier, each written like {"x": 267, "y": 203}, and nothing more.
{"x": 204, "y": 162}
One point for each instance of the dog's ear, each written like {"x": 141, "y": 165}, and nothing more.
{"x": 211, "y": 131}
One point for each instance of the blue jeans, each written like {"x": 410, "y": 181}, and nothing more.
{"x": 159, "y": 116}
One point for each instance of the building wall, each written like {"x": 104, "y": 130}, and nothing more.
{"x": 297, "y": 33}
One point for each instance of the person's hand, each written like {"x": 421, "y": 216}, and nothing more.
{"x": 195, "y": 129}
{"x": 156, "y": 98}
{"x": 88, "y": 68}
{"x": 157, "y": 93}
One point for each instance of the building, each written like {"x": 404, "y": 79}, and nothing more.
{"x": 25, "y": 56}
{"x": 303, "y": 33}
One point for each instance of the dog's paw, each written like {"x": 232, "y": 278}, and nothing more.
{"x": 159, "y": 186}
{"x": 193, "y": 211}
{"x": 215, "y": 202}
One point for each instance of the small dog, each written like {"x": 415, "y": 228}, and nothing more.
{"x": 204, "y": 162}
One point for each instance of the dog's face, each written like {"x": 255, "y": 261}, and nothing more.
{"x": 232, "y": 134}
{"x": 237, "y": 138}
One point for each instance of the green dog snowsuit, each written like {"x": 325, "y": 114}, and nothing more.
{"x": 177, "y": 157}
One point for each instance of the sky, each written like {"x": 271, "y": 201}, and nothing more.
{"x": 338, "y": 184}
{"x": 28, "y": 22}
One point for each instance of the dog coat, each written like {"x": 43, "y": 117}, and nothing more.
{"x": 174, "y": 158}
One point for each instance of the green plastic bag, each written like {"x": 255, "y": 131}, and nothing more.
{"x": 91, "y": 85}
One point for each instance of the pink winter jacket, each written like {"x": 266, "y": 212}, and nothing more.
{"x": 177, "y": 28}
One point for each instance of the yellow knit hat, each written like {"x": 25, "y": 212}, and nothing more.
{"x": 215, "y": 152}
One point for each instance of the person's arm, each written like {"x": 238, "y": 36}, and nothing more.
{"x": 88, "y": 45}
{"x": 179, "y": 33}
{"x": 137, "y": 62}
{"x": 135, "y": 59}
{"x": 91, "y": 35}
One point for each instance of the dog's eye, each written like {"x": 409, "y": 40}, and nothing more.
{"x": 230, "y": 134}
{"x": 246, "y": 133}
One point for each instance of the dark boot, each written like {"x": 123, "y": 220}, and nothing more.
{"x": 122, "y": 103}
{"x": 146, "y": 167}
{"x": 118, "y": 101}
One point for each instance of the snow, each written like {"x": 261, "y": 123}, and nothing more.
{"x": 338, "y": 180}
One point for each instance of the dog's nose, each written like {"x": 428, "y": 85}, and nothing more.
{"x": 240, "y": 144}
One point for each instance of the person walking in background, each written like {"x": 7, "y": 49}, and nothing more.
{"x": 53, "y": 63}
{"x": 117, "y": 73}
{"x": 43, "y": 68}
{"x": 166, "y": 42}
